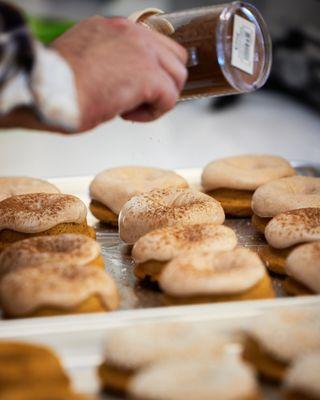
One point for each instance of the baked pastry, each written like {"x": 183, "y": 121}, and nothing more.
{"x": 287, "y": 230}
{"x": 275, "y": 339}
{"x": 283, "y": 195}
{"x": 15, "y": 185}
{"x": 303, "y": 270}
{"x": 233, "y": 180}
{"x": 224, "y": 377}
{"x": 152, "y": 252}
{"x": 112, "y": 188}
{"x": 302, "y": 380}
{"x": 166, "y": 207}
{"x": 65, "y": 250}
{"x": 200, "y": 277}
{"x": 41, "y": 214}
{"x": 56, "y": 290}
{"x": 127, "y": 351}
{"x": 23, "y": 364}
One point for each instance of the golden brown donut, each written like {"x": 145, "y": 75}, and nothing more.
{"x": 40, "y": 214}
{"x": 15, "y": 185}
{"x": 153, "y": 251}
{"x": 166, "y": 208}
{"x": 112, "y": 188}
{"x": 233, "y": 180}
{"x": 276, "y": 338}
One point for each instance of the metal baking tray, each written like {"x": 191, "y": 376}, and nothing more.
{"x": 78, "y": 338}
{"x": 117, "y": 257}
{"x": 119, "y": 264}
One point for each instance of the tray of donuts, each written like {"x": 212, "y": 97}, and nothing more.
{"x": 236, "y": 354}
{"x": 244, "y": 228}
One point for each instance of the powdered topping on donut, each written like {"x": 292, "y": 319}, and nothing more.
{"x": 286, "y": 194}
{"x": 165, "y": 243}
{"x": 167, "y": 207}
{"x": 212, "y": 273}
{"x": 246, "y": 172}
{"x": 303, "y": 264}
{"x": 15, "y": 185}
{"x": 114, "y": 187}
{"x": 33, "y": 213}
{"x": 29, "y": 289}
{"x": 66, "y": 249}
{"x": 293, "y": 227}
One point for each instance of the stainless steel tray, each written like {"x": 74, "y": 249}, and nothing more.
{"x": 78, "y": 338}
{"x": 135, "y": 295}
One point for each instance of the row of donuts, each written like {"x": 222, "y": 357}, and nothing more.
{"x": 33, "y": 372}
{"x": 188, "y": 220}
{"x": 264, "y": 187}
{"x": 50, "y": 263}
{"x": 182, "y": 361}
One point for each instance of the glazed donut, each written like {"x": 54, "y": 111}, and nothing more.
{"x": 114, "y": 187}
{"x": 63, "y": 289}
{"x": 212, "y": 273}
{"x": 303, "y": 265}
{"x": 293, "y": 227}
{"x": 65, "y": 250}
{"x": 15, "y": 185}
{"x": 206, "y": 377}
{"x": 166, "y": 243}
{"x": 246, "y": 172}
{"x": 166, "y": 207}
{"x": 286, "y": 194}
{"x": 37, "y": 212}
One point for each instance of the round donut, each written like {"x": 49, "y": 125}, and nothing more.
{"x": 114, "y": 187}
{"x": 303, "y": 265}
{"x": 293, "y": 227}
{"x": 66, "y": 249}
{"x": 15, "y": 185}
{"x": 286, "y": 194}
{"x": 167, "y": 207}
{"x": 246, "y": 172}
{"x": 212, "y": 273}
{"x": 38, "y": 212}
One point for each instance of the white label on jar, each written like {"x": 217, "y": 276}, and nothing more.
{"x": 243, "y": 42}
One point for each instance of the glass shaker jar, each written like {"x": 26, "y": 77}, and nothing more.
{"x": 229, "y": 46}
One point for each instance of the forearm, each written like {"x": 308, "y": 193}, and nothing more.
{"x": 99, "y": 69}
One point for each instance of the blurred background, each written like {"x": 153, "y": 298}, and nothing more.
{"x": 282, "y": 118}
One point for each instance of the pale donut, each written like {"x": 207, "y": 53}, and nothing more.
{"x": 166, "y": 207}
{"x": 287, "y": 334}
{"x": 303, "y": 376}
{"x": 15, "y": 185}
{"x": 138, "y": 346}
{"x": 245, "y": 172}
{"x": 65, "y": 249}
{"x": 114, "y": 187}
{"x": 212, "y": 273}
{"x": 196, "y": 378}
{"x": 286, "y": 194}
{"x": 166, "y": 243}
{"x": 28, "y": 289}
{"x": 293, "y": 227}
{"x": 303, "y": 264}
{"x": 38, "y": 212}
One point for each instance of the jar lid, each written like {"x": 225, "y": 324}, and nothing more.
{"x": 142, "y": 15}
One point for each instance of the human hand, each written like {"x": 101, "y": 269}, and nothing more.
{"x": 122, "y": 68}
